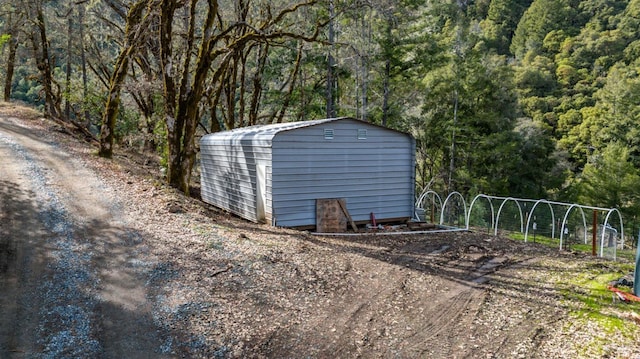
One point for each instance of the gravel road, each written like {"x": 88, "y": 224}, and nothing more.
{"x": 72, "y": 271}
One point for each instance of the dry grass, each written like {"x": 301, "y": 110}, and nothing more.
{"x": 12, "y": 109}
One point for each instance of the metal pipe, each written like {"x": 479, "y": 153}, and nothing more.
{"x": 389, "y": 233}
{"x": 594, "y": 233}
{"x": 636, "y": 272}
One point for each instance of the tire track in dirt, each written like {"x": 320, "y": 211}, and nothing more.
{"x": 425, "y": 315}
{"x": 437, "y": 311}
{"x": 93, "y": 300}
{"x": 22, "y": 262}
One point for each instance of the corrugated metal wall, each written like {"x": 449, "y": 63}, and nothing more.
{"x": 229, "y": 177}
{"x": 374, "y": 173}
{"x": 370, "y": 166}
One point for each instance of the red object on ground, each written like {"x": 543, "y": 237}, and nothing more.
{"x": 373, "y": 220}
{"x": 626, "y": 295}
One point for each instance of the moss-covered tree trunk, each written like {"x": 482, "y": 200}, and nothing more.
{"x": 132, "y": 32}
{"x": 11, "y": 64}
{"x": 216, "y": 42}
{"x": 181, "y": 106}
{"x": 40, "y": 43}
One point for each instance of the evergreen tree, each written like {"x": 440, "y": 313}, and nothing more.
{"x": 610, "y": 180}
{"x": 501, "y": 22}
{"x": 542, "y": 17}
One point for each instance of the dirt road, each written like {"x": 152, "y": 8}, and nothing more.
{"x": 70, "y": 286}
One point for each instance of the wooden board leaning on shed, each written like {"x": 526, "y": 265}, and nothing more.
{"x": 332, "y": 216}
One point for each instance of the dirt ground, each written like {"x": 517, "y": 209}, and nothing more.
{"x": 98, "y": 259}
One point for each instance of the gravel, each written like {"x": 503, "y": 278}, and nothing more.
{"x": 66, "y": 325}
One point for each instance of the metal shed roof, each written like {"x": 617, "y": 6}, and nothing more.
{"x": 265, "y": 133}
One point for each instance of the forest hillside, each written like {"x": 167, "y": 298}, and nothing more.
{"x": 525, "y": 98}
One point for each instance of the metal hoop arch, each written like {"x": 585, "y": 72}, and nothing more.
{"x": 419, "y": 203}
{"x": 606, "y": 221}
{"x": 446, "y": 201}
{"x": 507, "y": 199}
{"x": 424, "y": 195}
{"x": 490, "y": 205}
{"x": 553, "y": 218}
{"x": 564, "y": 222}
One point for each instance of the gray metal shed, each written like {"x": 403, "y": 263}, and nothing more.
{"x": 275, "y": 173}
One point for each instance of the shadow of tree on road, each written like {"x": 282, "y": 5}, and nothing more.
{"x": 74, "y": 289}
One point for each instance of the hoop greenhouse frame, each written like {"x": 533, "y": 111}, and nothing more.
{"x": 524, "y": 228}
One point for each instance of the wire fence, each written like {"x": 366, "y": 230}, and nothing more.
{"x": 565, "y": 225}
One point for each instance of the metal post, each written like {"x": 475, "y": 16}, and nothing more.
{"x": 433, "y": 210}
{"x": 595, "y": 233}
{"x": 636, "y": 272}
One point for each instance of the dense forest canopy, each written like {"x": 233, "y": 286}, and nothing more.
{"x": 527, "y": 98}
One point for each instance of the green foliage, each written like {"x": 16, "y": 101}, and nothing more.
{"x": 520, "y": 92}
{"x": 536, "y": 165}
{"x": 469, "y": 112}
{"x": 127, "y": 124}
{"x": 536, "y": 77}
{"x": 26, "y": 88}
{"x": 501, "y": 21}
{"x": 3, "y": 39}
{"x": 481, "y": 216}
{"x": 542, "y": 17}
{"x": 610, "y": 180}
{"x": 92, "y": 106}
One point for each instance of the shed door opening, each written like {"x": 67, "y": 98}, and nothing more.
{"x": 261, "y": 191}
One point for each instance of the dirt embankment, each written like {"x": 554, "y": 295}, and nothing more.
{"x": 99, "y": 259}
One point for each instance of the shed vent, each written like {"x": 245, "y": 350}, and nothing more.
{"x": 362, "y": 133}
{"x": 328, "y": 133}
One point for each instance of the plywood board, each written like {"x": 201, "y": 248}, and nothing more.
{"x": 330, "y": 218}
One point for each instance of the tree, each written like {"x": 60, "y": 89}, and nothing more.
{"x": 469, "y": 114}
{"x": 135, "y": 27}
{"x": 11, "y": 61}
{"x": 539, "y": 19}
{"x": 500, "y": 25}
{"x": 536, "y": 166}
{"x": 38, "y": 37}
{"x": 14, "y": 20}
{"x": 610, "y": 180}
{"x": 219, "y": 52}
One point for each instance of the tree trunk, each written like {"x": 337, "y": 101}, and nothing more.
{"x": 132, "y": 31}
{"x": 452, "y": 166}
{"x": 263, "y": 52}
{"x": 243, "y": 89}
{"x": 113, "y": 102}
{"x": 292, "y": 82}
{"x": 385, "y": 91}
{"x": 182, "y": 106}
{"x": 180, "y": 174}
{"x": 331, "y": 109}
{"x": 43, "y": 62}
{"x": 67, "y": 85}
{"x": 11, "y": 64}
{"x": 364, "y": 66}
{"x": 83, "y": 59}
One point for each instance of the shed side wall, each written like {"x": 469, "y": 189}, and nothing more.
{"x": 229, "y": 177}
